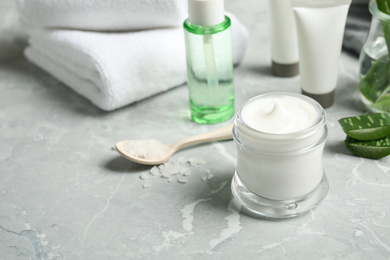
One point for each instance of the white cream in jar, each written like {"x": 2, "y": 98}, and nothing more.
{"x": 279, "y": 115}
{"x": 280, "y": 139}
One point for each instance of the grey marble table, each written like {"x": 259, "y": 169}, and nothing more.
{"x": 66, "y": 194}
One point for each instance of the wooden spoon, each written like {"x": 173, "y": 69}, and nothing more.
{"x": 223, "y": 133}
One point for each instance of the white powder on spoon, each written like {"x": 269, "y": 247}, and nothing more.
{"x": 146, "y": 149}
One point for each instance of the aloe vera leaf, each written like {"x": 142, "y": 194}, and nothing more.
{"x": 383, "y": 104}
{"x": 375, "y": 149}
{"x": 383, "y": 6}
{"x": 375, "y": 83}
{"x": 366, "y": 127}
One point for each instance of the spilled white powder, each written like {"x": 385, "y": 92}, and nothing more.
{"x": 186, "y": 172}
{"x": 154, "y": 171}
{"x": 165, "y": 175}
{"x": 182, "y": 179}
{"x": 175, "y": 170}
{"x": 196, "y": 161}
{"x": 146, "y": 149}
{"x": 207, "y": 176}
{"x": 144, "y": 175}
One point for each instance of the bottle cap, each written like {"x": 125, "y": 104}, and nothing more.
{"x": 206, "y": 12}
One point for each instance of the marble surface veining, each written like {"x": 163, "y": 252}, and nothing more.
{"x": 66, "y": 194}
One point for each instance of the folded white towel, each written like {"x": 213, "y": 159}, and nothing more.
{"x": 116, "y": 69}
{"x": 103, "y": 14}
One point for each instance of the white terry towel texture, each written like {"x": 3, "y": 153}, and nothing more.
{"x": 115, "y": 69}
{"x": 103, "y": 15}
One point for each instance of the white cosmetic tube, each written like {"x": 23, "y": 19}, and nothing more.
{"x": 320, "y": 28}
{"x": 284, "y": 45}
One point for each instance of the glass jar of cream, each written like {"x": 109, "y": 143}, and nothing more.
{"x": 280, "y": 138}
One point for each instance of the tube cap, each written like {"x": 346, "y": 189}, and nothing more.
{"x": 325, "y": 100}
{"x": 206, "y": 12}
{"x": 285, "y": 70}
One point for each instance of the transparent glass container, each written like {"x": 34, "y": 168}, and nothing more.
{"x": 279, "y": 175}
{"x": 374, "y": 63}
{"x": 210, "y": 71}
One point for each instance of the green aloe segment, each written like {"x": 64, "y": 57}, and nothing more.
{"x": 383, "y": 6}
{"x": 375, "y": 149}
{"x": 375, "y": 83}
{"x": 382, "y": 105}
{"x": 367, "y": 127}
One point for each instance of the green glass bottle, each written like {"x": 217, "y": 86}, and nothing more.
{"x": 209, "y": 62}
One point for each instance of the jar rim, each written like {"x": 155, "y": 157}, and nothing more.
{"x": 303, "y": 150}
{"x": 373, "y": 7}
{"x": 302, "y": 133}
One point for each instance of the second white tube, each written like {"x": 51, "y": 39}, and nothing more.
{"x": 284, "y": 46}
{"x": 320, "y": 29}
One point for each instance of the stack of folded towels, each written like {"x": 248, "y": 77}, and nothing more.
{"x": 113, "y": 52}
